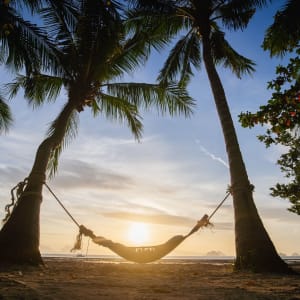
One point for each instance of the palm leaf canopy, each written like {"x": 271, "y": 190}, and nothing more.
{"x": 96, "y": 51}
{"x": 194, "y": 20}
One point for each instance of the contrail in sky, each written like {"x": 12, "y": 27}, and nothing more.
{"x": 212, "y": 156}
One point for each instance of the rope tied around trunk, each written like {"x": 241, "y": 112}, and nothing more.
{"x": 15, "y": 193}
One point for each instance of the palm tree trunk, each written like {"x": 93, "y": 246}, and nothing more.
{"x": 254, "y": 248}
{"x": 19, "y": 237}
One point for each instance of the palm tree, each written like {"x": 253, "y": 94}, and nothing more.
{"x": 95, "y": 52}
{"x": 200, "y": 23}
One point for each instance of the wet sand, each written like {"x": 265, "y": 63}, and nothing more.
{"x": 83, "y": 278}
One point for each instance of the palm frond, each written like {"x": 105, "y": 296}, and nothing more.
{"x": 224, "y": 54}
{"x": 98, "y": 37}
{"x": 25, "y": 44}
{"x": 69, "y": 134}
{"x": 131, "y": 53}
{"x": 185, "y": 54}
{"x": 38, "y": 88}
{"x": 118, "y": 108}
{"x": 155, "y": 22}
{"x": 236, "y": 14}
{"x": 60, "y": 18}
{"x": 235, "y": 19}
{"x": 284, "y": 34}
{"x": 158, "y": 6}
{"x": 5, "y": 116}
{"x": 160, "y": 26}
{"x": 169, "y": 98}
{"x": 32, "y": 5}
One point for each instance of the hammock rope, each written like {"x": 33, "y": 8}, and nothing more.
{"x": 60, "y": 203}
{"x": 143, "y": 254}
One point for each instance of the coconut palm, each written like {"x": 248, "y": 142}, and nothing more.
{"x": 95, "y": 52}
{"x": 200, "y": 24}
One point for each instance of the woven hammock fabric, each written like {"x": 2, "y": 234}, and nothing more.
{"x": 144, "y": 254}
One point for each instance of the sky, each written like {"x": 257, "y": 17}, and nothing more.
{"x": 145, "y": 192}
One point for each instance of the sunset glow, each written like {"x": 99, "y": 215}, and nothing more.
{"x": 138, "y": 233}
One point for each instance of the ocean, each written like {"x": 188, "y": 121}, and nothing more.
{"x": 168, "y": 259}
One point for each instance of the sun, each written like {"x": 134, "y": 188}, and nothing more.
{"x": 138, "y": 233}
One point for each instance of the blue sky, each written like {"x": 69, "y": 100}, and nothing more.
{"x": 177, "y": 172}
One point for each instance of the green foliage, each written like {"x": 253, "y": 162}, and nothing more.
{"x": 5, "y": 116}
{"x": 23, "y": 44}
{"x": 37, "y": 88}
{"x": 284, "y": 34}
{"x": 71, "y": 130}
{"x": 282, "y": 117}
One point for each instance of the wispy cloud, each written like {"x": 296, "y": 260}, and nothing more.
{"x": 80, "y": 174}
{"x": 279, "y": 215}
{"x": 164, "y": 219}
{"x": 211, "y": 155}
{"x": 151, "y": 218}
{"x": 11, "y": 175}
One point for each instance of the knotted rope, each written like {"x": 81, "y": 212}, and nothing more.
{"x": 15, "y": 193}
{"x": 18, "y": 191}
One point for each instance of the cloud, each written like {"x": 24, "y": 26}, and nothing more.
{"x": 215, "y": 253}
{"x": 95, "y": 179}
{"x": 279, "y": 214}
{"x": 78, "y": 174}
{"x": 151, "y": 218}
{"x": 12, "y": 175}
{"x": 164, "y": 219}
{"x": 212, "y": 156}
{"x": 223, "y": 226}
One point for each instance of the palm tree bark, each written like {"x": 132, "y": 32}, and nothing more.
{"x": 254, "y": 248}
{"x": 19, "y": 237}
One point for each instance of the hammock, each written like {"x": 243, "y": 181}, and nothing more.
{"x": 144, "y": 254}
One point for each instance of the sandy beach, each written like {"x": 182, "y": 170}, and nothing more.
{"x": 71, "y": 278}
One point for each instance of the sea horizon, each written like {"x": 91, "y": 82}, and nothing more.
{"x": 217, "y": 259}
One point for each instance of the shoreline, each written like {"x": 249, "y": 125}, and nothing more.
{"x": 89, "y": 278}
{"x": 174, "y": 258}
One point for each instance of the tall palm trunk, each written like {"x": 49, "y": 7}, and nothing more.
{"x": 19, "y": 237}
{"x": 254, "y": 248}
